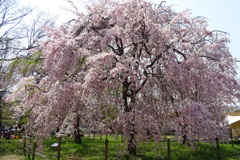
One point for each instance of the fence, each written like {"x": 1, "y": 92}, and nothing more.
{"x": 106, "y": 150}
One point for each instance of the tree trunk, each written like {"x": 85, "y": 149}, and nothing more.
{"x": 0, "y": 121}
{"x": 1, "y": 111}
{"x": 77, "y": 136}
{"x": 132, "y": 148}
{"x": 185, "y": 140}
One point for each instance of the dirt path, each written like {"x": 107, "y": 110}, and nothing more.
{"x": 12, "y": 157}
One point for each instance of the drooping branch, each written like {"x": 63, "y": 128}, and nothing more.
{"x": 157, "y": 57}
{"x": 181, "y": 53}
{"x": 143, "y": 83}
{"x": 209, "y": 57}
{"x": 203, "y": 38}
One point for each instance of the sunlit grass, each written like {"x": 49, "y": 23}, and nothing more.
{"x": 93, "y": 149}
{"x": 11, "y": 147}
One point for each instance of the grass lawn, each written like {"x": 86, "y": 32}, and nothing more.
{"x": 11, "y": 147}
{"x": 93, "y": 149}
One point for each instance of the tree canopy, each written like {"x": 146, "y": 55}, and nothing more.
{"x": 135, "y": 66}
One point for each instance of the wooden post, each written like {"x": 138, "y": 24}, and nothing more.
{"x": 34, "y": 150}
{"x": 29, "y": 148}
{"x": 24, "y": 146}
{"x": 106, "y": 149}
{"x": 59, "y": 148}
{"x": 218, "y": 149}
{"x": 29, "y": 156}
{"x": 1, "y": 125}
{"x": 122, "y": 137}
{"x": 169, "y": 149}
{"x": 231, "y": 135}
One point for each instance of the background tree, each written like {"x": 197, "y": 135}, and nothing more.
{"x": 11, "y": 15}
{"x": 18, "y": 37}
{"x": 28, "y": 62}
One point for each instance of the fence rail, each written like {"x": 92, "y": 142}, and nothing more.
{"x": 168, "y": 151}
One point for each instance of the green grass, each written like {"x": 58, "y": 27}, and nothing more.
{"x": 11, "y": 147}
{"x": 93, "y": 149}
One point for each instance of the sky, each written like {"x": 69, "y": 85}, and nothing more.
{"x": 221, "y": 14}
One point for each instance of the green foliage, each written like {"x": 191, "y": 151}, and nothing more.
{"x": 24, "y": 119}
{"x": 109, "y": 111}
{"x": 25, "y": 65}
{"x": 8, "y": 122}
{"x": 82, "y": 61}
{"x": 7, "y": 113}
{"x": 13, "y": 66}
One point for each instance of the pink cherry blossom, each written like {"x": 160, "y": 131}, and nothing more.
{"x": 137, "y": 67}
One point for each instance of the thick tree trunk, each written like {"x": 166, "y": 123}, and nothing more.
{"x": 77, "y": 136}
{"x": 184, "y": 139}
{"x": 132, "y": 148}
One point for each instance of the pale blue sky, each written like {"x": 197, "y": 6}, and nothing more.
{"x": 222, "y": 15}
